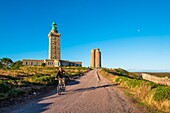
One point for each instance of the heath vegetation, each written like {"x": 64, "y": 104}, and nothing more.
{"x": 17, "y": 80}
{"x": 152, "y": 94}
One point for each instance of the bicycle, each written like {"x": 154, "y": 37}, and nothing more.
{"x": 61, "y": 86}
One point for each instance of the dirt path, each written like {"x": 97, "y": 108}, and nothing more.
{"x": 85, "y": 95}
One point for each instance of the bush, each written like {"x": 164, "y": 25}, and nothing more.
{"x": 15, "y": 93}
{"x": 1, "y": 66}
{"x": 16, "y": 65}
{"x": 132, "y": 83}
{"x": 4, "y": 87}
{"x": 22, "y": 83}
{"x": 162, "y": 93}
{"x": 153, "y": 85}
{"x": 43, "y": 64}
{"x": 117, "y": 79}
{"x": 37, "y": 75}
{"x": 121, "y": 72}
{"x": 2, "y": 96}
{"x": 41, "y": 79}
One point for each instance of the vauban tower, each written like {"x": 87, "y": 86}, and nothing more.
{"x": 95, "y": 58}
{"x": 54, "y": 57}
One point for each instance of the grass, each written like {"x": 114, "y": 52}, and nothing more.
{"x": 14, "y": 83}
{"x": 149, "y": 93}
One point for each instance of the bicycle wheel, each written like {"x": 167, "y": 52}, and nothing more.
{"x": 63, "y": 87}
{"x": 59, "y": 89}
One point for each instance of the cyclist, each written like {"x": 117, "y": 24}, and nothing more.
{"x": 61, "y": 77}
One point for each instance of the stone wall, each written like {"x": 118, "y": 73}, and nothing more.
{"x": 158, "y": 80}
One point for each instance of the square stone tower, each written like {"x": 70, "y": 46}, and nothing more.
{"x": 92, "y": 62}
{"x": 95, "y": 58}
{"x": 54, "y": 43}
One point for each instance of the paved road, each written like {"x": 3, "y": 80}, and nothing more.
{"x": 85, "y": 95}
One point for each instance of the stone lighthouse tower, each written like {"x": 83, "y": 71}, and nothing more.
{"x": 54, "y": 43}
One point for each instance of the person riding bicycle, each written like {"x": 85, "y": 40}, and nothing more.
{"x": 61, "y": 76}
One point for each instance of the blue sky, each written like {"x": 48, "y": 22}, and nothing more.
{"x": 132, "y": 34}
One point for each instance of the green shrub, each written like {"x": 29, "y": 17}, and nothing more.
{"x": 2, "y": 96}
{"x": 123, "y": 79}
{"x": 42, "y": 79}
{"x": 4, "y": 87}
{"x": 15, "y": 93}
{"x": 22, "y": 83}
{"x": 16, "y": 65}
{"x": 162, "y": 93}
{"x": 153, "y": 85}
{"x": 37, "y": 75}
{"x": 133, "y": 83}
{"x": 43, "y": 64}
{"x": 117, "y": 79}
{"x": 121, "y": 71}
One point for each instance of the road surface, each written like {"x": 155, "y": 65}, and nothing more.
{"x": 85, "y": 95}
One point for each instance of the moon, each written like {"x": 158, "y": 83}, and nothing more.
{"x": 138, "y": 30}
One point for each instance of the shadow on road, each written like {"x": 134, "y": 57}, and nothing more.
{"x": 40, "y": 107}
{"x": 93, "y": 88}
{"x": 72, "y": 82}
{"x": 88, "y": 89}
{"x": 77, "y": 91}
